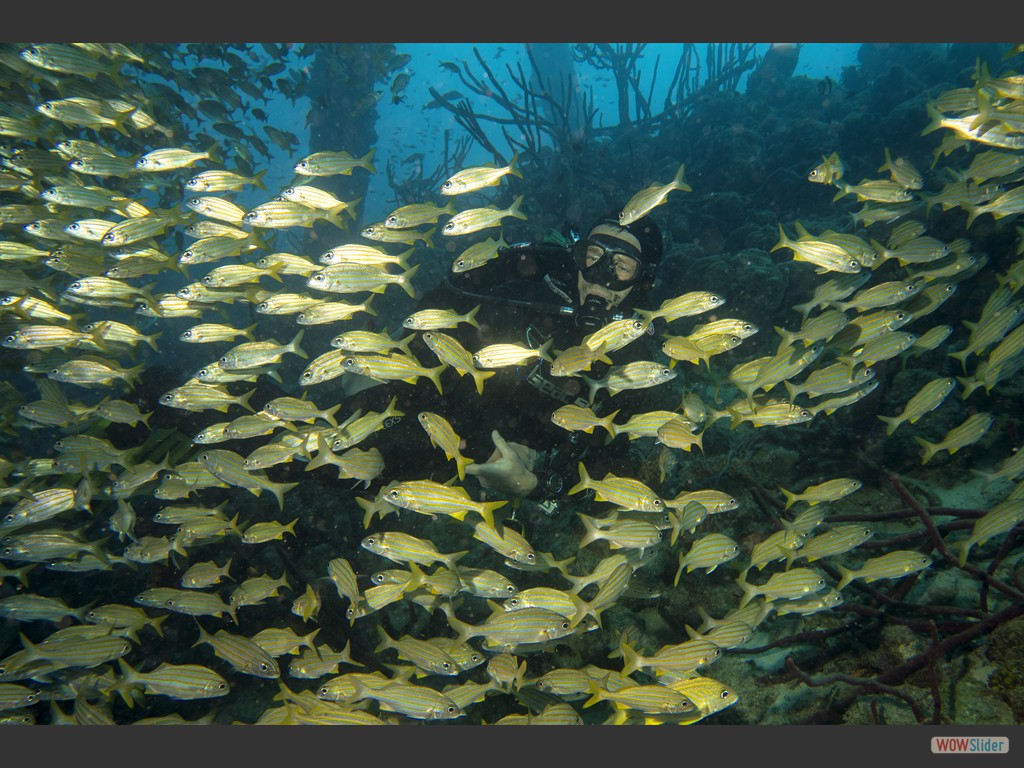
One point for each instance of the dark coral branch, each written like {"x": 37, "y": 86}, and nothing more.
{"x": 873, "y": 684}
{"x": 940, "y": 545}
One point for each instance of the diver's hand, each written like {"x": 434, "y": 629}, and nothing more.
{"x": 509, "y": 468}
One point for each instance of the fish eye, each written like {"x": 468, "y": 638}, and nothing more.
{"x": 716, "y": 299}
{"x": 513, "y": 601}
{"x": 371, "y": 541}
{"x": 264, "y": 667}
{"x": 76, "y": 286}
{"x": 223, "y": 360}
{"x": 377, "y": 578}
{"x": 303, "y": 165}
{"x": 565, "y": 625}
{"x": 510, "y": 589}
{"x": 445, "y": 665}
{"x": 306, "y": 375}
{"x": 530, "y": 557}
{"x": 447, "y": 185}
{"x": 54, "y": 371}
{"x": 222, "y": 686}
{"x": 392, "y": 220}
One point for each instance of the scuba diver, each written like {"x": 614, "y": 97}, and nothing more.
{"x": 533, "y": 294}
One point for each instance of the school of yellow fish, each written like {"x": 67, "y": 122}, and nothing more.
{"x": 86, "y": 240}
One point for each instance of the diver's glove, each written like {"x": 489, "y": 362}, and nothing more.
{"x": 509, "y": 470}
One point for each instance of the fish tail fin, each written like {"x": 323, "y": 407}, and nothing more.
{"x": 464, "y": 630}
{"x": 434, "y": 374}
{"x": 279, "y": 490}
{"x": 480, "y": 377}
{"x": 513, "y": 165}
{"x": 749, "y": 590}
{"x": 584, "y": 482}
{"x": 847, "y": 577}
{"x": 403, "y": 259}
{"x": 887, "y": 165}
{"x": 406, "y": 281}
{"x": 964, "y": 547}
{"x": 514, "y": 211}
{"x": 783, "y": 240}
{"x": 936, "y": 119}
{"x": 328, "y": 415}
{"x": 962, "y": 355}
{"x": 403, "y": 344}
{"x": 368, "y": 508}
{"x": 391, "y": 410}
{"x": 930, "y": 449}
{"x": 151, "y": 340}
{"x": 972, "y": 212}
{"x": 631, "y": 660}
{"x": 791, "y": 390}
{"x": 544, "y": 350}
{"x": 334, "y": 216}
{"x": 679, "y": 570}
{"x": 677, "y": 180}
{"x": 596, "y": 694}
{"x": 608, "y": 423}
{"x": 366, "y": 161}
{"x": 257, "y": 179}
{"x": 471, "y": 316}
{"x": 123, "y": 686}
{"x": 592, "y": 531}
{"x": 294, "y": 346}
{"x": 244, "y": 400}
{"x": 487, "y": 512}
{"x": 582, "y": 610}
{"x": 593, "y": 385}
{"x": 385, "y": 639}
{"x": 247, "y": 332}
{"x": 790, "y": 498}
{"x": 133, "y": 374}
{"x": 891, "y": 423}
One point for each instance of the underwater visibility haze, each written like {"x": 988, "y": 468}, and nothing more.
{"x": 511, "y": 384}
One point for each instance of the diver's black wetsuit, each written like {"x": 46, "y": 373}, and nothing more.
{"x": 526, "y": 295}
